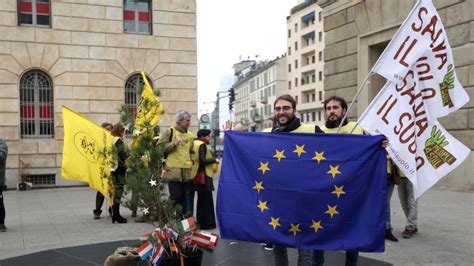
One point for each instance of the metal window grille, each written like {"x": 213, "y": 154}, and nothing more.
{"x": 44, "y": 180}
{"x": 34, "y": 12}
{"x": 36, "y": 105}
{"x": 133, "y": 90}
{"x": 137, "y": 16}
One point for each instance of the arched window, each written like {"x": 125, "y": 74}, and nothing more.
{"x": 36, "y": 105}
{"x": 133, "y": 90}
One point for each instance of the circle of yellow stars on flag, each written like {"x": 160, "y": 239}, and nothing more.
{"x": 333, "y": 171}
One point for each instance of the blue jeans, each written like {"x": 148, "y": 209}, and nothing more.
{"x": 351, "y": 258}
{"x": 390, "y": 186}
{"x": 280, "y": 254}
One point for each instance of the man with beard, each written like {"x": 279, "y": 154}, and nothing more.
{"x": 335, "y": 108}
{"x": 286, "y": 121}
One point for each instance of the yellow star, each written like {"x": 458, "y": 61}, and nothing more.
{"x": 279, "y": 154}
{"x": 295, "y": 228}
{"x": 299, "y": 150}
{"x": 332, "y": 211}
{"x": 274, "y": 222}
{"x": 264, "y": 167}
{"x": 258, "y": 186}
{"x": 262, "y": 205}
{"x": 334, "y": 170}
{"x": 316, "y": 225}
{"x": 338, "y": 191}
{"x": 319, "y": 156}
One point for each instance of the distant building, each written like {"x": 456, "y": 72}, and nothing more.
{"x": 356, "y": 34}
{"x": 305, "y": 62}
{"x": 86, "y": 55}
{"x": 256, "y": 88}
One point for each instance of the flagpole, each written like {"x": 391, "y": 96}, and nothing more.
{"x": 355, "y": 98}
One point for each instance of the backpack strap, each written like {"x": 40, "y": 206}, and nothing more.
{"x": 171, "y": 134}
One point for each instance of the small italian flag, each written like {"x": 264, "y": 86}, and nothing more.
{"x": 187, "y": 224}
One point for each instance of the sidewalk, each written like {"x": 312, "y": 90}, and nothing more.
{"x": 47, "y": 219}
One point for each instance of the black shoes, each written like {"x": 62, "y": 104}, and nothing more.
{"x": 119, "y": 219}
{"x": 97, "y": 214}
{"x": 409, "y": 232}
{"x": 390, "y": 236}
{"x": 3, "y": 228}
{"x": 116, "y": 217}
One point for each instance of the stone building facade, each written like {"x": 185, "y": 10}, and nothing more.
{"x": 357, "y": 31}
{"x": 305, "y": 41}
{"x": 85, "y": 54}
{"x": 257, "y": 87}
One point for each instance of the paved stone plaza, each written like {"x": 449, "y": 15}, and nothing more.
{"x": 56, "y": 220}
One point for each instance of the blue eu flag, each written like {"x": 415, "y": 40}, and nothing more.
{"x": 307, "y": 191}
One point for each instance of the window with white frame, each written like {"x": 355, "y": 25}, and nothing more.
{"x": 137, "y": 16}
{"x": 34, "y": 12}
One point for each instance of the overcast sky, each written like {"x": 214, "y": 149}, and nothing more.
{"x": 229, "y": 29}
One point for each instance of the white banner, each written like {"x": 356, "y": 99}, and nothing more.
{"x": 422, "y": 149}
{"x": 421, "y": 48}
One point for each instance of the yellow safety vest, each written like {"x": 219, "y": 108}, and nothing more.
{"x": 346, "y": 129}
{"x": 303, "y": 128}
{"x": 209, "y": 168}
{"x": 180, "y": 157}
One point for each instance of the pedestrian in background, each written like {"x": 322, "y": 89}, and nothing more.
{"x": 99, "y": 198}
{"x": 409, "y": 206}
{"x": 118, "y": 174}
{"x": 203, "y": 171}
{"x": 3, "y": 162}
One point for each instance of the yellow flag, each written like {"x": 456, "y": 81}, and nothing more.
{"x": 149, "y": 109}
{"x": 86, "y": 152}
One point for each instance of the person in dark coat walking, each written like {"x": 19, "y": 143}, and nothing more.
{"x": 3, "y": 161}
{"x": 118, "y": 175}
{"x": 202, "y": 171}
{"x": 99, "y": 198}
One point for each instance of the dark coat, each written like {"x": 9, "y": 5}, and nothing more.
{"x": 3, "y": 160}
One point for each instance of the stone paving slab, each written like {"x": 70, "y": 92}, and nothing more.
{"x": 52, "y": 219}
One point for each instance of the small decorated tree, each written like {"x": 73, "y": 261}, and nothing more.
{"x": 174, "y": 236}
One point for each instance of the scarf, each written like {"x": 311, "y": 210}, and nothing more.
{"x": 203, "y": 140}
{"x": 293, "y": 124}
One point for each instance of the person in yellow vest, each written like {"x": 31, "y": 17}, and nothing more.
{"x": 118, "y": 174}
{"x": 335, "y": 109}
{"x": 177, "y": 143}
{"x": 285, "y": 120}
{"x": 202, "y": 171}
